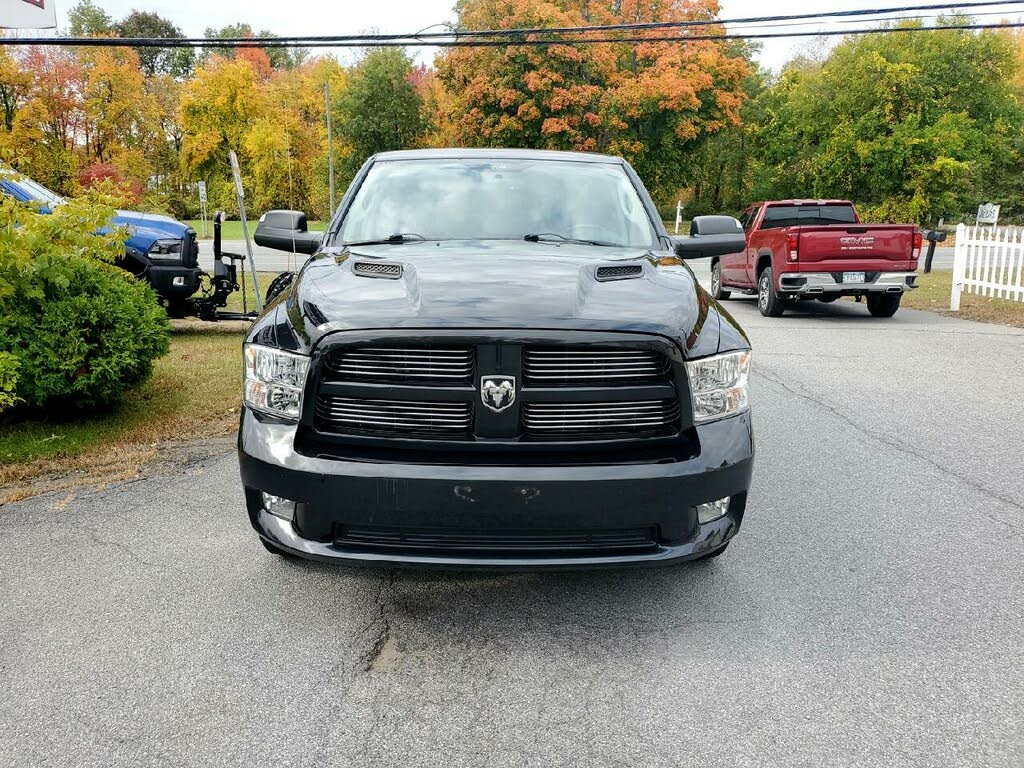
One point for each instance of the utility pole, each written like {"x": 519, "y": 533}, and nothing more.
{"x": 330, "y": 146}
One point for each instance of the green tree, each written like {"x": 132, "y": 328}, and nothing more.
{"x": 380, "y": 110}
{"x": 14, "y": 87}
{"x": 720, "y": 171}
{"x": 281, "y": 57}
{"x": 87, "y": 18}
{"x": 911, "y": 128}
{"x": 176, "y": 62}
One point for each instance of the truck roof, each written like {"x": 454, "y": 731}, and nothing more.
{"x": 495, "y": 154}
{"x": 806, "y": 202}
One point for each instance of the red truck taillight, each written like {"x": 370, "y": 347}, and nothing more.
{"x": 794, "y": 247}
{"x": 918, "y": 243}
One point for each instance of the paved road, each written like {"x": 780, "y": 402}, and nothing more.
{"x": 870, "y": 614}
{"x": 269, "y": 260}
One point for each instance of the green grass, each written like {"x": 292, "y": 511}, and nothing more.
{"x": 235, "y": 299}
{"x": 232, "y": 229}
{"x": 933, "y": 292}
{"x": 195, "y": 391}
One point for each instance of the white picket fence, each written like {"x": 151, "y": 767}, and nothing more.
{"x": 988, "y": 261}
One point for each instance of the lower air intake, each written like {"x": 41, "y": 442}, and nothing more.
{"x": 496, "y": 542}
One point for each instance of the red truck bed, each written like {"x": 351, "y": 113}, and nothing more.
{"x": 799, "y": 249}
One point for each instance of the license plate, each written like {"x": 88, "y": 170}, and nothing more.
{"x": 853, "y": 277}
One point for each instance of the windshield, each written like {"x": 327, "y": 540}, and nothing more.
{"x": 36, "y": 191}
{"x": 499, "y": 199}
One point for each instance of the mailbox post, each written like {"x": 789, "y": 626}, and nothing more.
{"x": 933, "y": 237}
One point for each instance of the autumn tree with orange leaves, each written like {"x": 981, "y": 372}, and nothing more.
{"x": 651, "y": 102}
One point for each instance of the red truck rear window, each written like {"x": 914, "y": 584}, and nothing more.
{"x": 778, "y": 216}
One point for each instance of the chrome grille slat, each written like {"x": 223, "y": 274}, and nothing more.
{"x": 554, "y": 366}
{"x": 394, "y": 365}
{"x": 344, "y": 414}
{"x": 589, "y": 418}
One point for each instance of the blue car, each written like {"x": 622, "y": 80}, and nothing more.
{"x": 161, "y": 250}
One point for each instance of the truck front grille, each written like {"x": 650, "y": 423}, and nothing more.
{"x": 394, "y": 417}
{"x": 396, "y": 365}
{"x": 559, "y": 419}
{"x": 593, "y": 366}
{"x": 425, "y": 389}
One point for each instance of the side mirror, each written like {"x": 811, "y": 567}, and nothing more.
{"x": 711, "y": 236}
{"x": 286, "y": 231}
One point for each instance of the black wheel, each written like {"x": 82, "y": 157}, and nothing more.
{"x": 827, "y": 299}
{"x": 274, "y": 550}
{"x": 712, "y": 555}
{"x": 768, "y": 301}
{"x": 883, "y": 304}
{"x": 716, "y": 283}
{"x": 279, "y": 284}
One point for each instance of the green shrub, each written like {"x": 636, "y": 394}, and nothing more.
{"x": 8, "y": 380}
{"x": 80, "y": 330}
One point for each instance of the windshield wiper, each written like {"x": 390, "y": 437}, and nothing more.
{"x": 396, "y": 239}
{"x": 554, "y": 237}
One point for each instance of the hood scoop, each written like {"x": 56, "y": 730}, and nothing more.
{"x": 619, "y": 272}
{"x": 378, "y": 269}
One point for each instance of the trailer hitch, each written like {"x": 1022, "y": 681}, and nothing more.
{"x": 223, "y": 282}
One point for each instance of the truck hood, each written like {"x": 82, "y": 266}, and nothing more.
{"x": 501, "y": 284}
{"x": 146, "y": 228}
{"x": 165, "y": 226}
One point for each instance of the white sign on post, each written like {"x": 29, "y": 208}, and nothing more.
{"x": 28, "y": 14}
{"x": 202, "y": 204}
{"x": 988, "y": 213}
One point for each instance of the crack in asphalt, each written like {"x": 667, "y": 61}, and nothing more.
{"x": 379, "y": 626}
{"x": 902, "y": 448}
{"x": 94, "y": 535}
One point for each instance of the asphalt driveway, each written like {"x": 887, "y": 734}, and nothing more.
{"x": 870, "y": 613}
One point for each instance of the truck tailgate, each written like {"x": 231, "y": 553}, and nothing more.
{"x": 860, "y": 247}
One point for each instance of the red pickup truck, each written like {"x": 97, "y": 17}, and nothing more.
{"x": 819, "y": 249}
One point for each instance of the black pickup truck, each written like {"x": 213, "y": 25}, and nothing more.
{"x": 496, "y": 358}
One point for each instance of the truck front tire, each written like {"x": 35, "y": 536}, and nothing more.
{"x": 883, "y": 304}
{"x": 768, "y": 300}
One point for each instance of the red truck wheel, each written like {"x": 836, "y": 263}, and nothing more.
{"x": 768, "y": 301}
{"x": 716, "y": 283}
{"x": 884, "y": 304}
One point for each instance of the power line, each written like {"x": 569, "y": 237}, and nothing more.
{"x": 459, "y": 39}
{"x": 669, "y": 38}
{"x": 637, "y": 26}
{"x": 881, "y": 19}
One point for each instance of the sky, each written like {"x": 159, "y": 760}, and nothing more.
{"x": 316, "y": 17}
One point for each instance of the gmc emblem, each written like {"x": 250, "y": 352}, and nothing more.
{"x": 855, "y": 241}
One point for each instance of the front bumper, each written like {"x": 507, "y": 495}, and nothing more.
{"x": 338, "y": 496}
{"x": 815, "y": 283}
{"x": 174, "y": 280}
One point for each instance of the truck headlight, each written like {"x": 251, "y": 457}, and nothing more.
{"x": 718, "y": 385}
{"x": 274, "y": 380}
{"x": 165, "y": 250}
